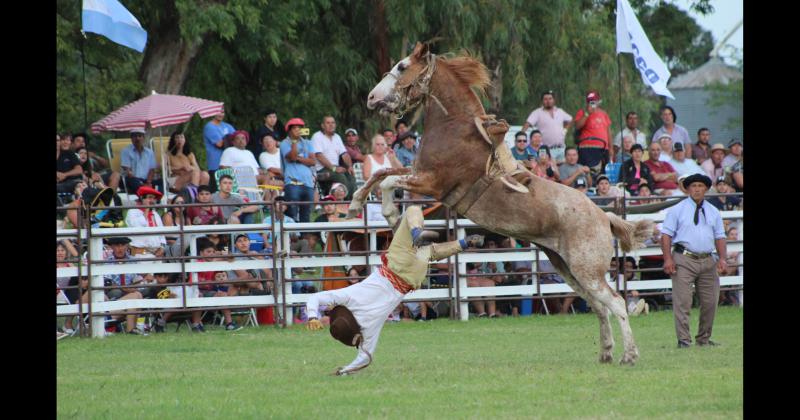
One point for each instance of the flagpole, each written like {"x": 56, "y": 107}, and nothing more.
{"x": 83, "y": 67}
{"x": 621, "y": 127}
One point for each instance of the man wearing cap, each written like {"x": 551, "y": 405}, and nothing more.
{"x": 146, "y": 246}
{"x": 358, "y": 312}
{"x": 407, "y": 151}
{"x": 665, "y": 141}
{"x": 329, "y": 152}
{"x": 552, "y": 121}
{"x": 713, "y": 166}
{"x": 594, "y": 138}
{"x": 724, "y": 202}
{"x": 631, "y": 130}
{"x": 298, "y": 156}
{"x": 735, "y": 147}
{"x": 119, "y": 255}
{"x": 351, "y": 144}
{"x": 696, "y": 230}
{"x": 139, "y": 164}
{"x": 682, "y": 165}
{"x": 237, "y": 156}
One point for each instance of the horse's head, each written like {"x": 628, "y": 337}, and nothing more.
{"x": 405, "y": 86}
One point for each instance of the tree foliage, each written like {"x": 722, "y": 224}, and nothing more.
{"x": 310, "y": 58}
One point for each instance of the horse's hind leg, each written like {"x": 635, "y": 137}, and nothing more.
{"x": 606, "y": 337}
{"x": 616, "y": 304}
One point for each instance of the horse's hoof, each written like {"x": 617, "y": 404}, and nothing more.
{"x": 629, "y": 359}
{"x": 606, "y": 358}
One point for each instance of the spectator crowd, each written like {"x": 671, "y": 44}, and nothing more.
{"x": 294, "y": 169}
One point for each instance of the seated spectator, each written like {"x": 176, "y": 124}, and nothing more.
{"x": 636, "y": 305}
{"x": 139, "y": 164}
{"x": 382, "y": 157}
{"x": 665, "y": 141}
{"x": 611, "y": 193}
{"x": 407, "y": 151}
{"x": 631, "y": 130}
{"x": 207, "y": 252}
{"x": 488, "y": 307}
{"x": 664, "y": 175}
{"x": 68, "y": 166}
{"x": 351, "y": 144}
{"x": 208, "y": 214}
{"x": 545, "y": 167}
{"x": 570, "y": 171}
{"x": 713, "y": 166}
{"x": 634, "y": 172}
{"x": 151, "y": 245}
{"x": 270, "y": 158}
{"x": 66, "y": 250}
{"x": 653, "y": 261}
{"x": 329, "y": 211}
{"x": 735, "y": 147}
{"x": 339, "y": 192}
{"x": 233, "y": 207}
{"x": 522, "y": 152}
{"x": 93, "y": 170}
{"x": 120, "y": 255}
{"x": 333, "y": 161}
{"x": 737, "y": 175}
{"x": 644, "y": 191}
{"x": 581, "y": 186}
{"x": 682, "y": 165}
{"x": 627, "y": 144}
{"x": 724, "y": 202}
{"x": 298, "y": 159}
{"x": 731, "y": 297}
{"x": 176, "y": 216}
{"x": 536, "y": 141}
{"x": 183, "y": 163}
{"x": 261, "y": 279}
{"x": 237, "y": 156}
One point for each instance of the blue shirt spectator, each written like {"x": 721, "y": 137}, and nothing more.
{"x": 140, "y": 163}
{"x": 212, "y": 134}
{"x": 696, "y": 238}
{"x": 294, "y": 171}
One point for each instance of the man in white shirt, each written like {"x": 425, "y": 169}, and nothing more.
{"x": 552, "y": 121}
{"x": 682, "y": 165}
{"x": 631, "y": 129}
{"x": 146, "y": 246}
{"x": 329, "y": 149}
{"x": 238, "y": 156}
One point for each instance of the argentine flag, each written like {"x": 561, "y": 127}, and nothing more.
{"x": 112, "y": 20}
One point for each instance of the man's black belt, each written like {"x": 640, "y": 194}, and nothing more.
{"x": 680, "y": 249}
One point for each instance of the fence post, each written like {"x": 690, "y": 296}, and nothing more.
{"x": 288, "y": 312}
{"x": 96, "y": 281}
{"x": 461, "y": 267}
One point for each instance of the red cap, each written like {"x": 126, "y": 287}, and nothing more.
{"x": 328, "y": 197}
{"x": 242, "y": 132}
{"x": 145, "y": 190}
{"x": 294, "y": 121}
{"x": 592, "y": 96}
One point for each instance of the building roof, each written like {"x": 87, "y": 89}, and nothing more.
{"x": 714, "y": 70}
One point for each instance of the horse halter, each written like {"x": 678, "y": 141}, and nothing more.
{"x": 422, "y": 85}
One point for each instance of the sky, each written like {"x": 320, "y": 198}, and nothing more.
{"x": 726, "y": 15}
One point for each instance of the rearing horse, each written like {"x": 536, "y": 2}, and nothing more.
{"x": 461, "y": 166}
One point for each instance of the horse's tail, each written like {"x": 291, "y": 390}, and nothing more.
{"x": 631, "y": 235}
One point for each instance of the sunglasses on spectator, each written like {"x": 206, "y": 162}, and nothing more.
{"x": 521, "y": 140}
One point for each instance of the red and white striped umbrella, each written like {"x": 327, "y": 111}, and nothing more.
{"x": 158, "y": 111}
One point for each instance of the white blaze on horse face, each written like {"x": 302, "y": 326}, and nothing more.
{"x": 383, "y": 95}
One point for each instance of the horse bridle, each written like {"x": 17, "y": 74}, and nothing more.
{"x": 423, "y": 86}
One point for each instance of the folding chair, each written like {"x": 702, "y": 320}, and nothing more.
{"x": 250, "y": 312}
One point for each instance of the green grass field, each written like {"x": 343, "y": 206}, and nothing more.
{"x": 530, "y": 367}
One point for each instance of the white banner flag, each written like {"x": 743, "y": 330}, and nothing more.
{"x": 632, "y": 39}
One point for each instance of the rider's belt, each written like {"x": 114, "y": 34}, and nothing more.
{"x": 680, "y": 249}
{"x": 399, "y": 284}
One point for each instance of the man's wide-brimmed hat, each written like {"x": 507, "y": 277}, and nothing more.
{"x": 344, "y": 326}
{"x": 718, "y": 146}
{"x": 696, "y": 178}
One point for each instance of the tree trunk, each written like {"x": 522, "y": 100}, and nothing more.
{"x": 167, "y": 61}
{"x": 380, "y": 37}
{"x": 495, "y": 90}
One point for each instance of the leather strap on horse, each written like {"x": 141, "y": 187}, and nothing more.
{"x": 461, "y": 202}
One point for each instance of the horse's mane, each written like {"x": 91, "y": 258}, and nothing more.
{"x": 469, "y": 70}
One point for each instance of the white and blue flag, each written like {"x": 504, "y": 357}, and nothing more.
{"x": 112, "y": 20}
{"x": 632, "y": 39}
